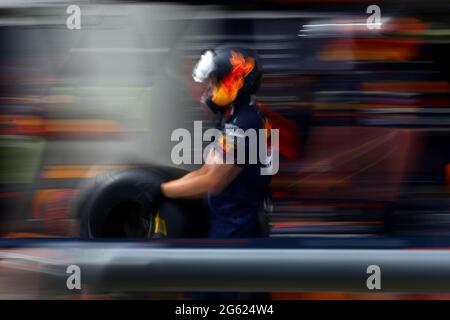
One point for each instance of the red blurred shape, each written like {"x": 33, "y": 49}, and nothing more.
{"x": 289, "y": 133}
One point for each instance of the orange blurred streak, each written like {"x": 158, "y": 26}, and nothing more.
{"x": 52, "y": 209}
{"x": 404, "y": 24}
{"x": 46, "y": 196}
{"x": 29, "y": 235}
{"x": 35, "y": 125}
{"x": 405, "y": 86}
{"x": 77, "y": 171}
{"x": 370, "y": 49}
{"x": 82, "y": 126}
{"x": 18, "y": 124}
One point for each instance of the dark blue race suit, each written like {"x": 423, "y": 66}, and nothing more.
{"x": 234, "y": 211}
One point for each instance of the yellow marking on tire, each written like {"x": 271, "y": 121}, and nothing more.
{"x": 160, "y": 225}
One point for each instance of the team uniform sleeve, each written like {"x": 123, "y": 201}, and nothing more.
{"x": 233, "y": 139}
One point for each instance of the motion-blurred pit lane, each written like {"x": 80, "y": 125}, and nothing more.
{"x": 371, "y": 105}
{"x": 38, "y": 269}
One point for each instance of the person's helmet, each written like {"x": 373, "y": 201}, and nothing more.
{"x": 231, "y": 72}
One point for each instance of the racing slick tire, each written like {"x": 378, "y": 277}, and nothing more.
{"x": 121, "y": 204}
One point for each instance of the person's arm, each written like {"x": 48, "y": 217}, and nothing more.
{"x": 211, "y": 177}
{"x": 202, "y": 170}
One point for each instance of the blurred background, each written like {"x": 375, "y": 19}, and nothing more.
{"x": 364, "y": 113}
